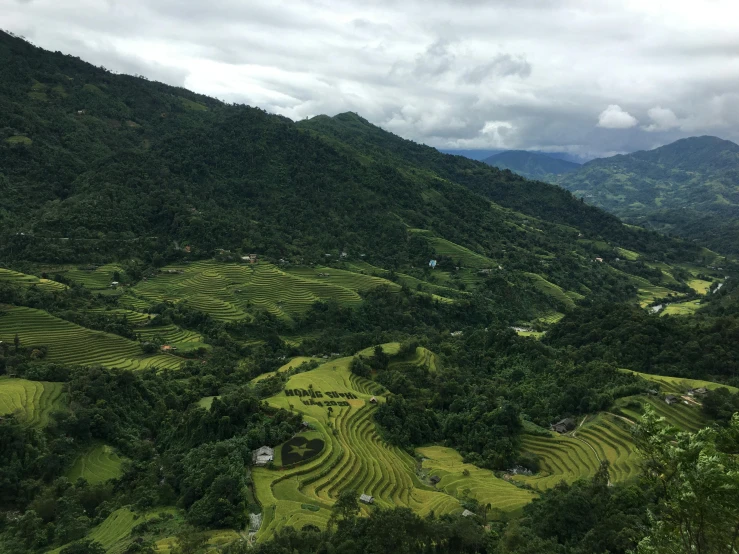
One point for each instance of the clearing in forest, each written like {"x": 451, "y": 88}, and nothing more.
{"x": 96, "y": 465}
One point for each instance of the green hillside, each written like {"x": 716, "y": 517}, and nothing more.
{"x": 32, "y": 402}
{"x": 689, "y": 188}
{"x": 532, "y": 165}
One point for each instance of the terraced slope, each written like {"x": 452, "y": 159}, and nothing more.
{"x": 97, "y": 465}
{"x": 578, "y": 455}
{"x": 93, "y": 278}
{"x": 74, "y": 345}
{"x": 229, "y": 291}
{"x": 31, "y": 401}
{"x": 480, "y": 484}
{"x": 114, "y": 533}
{"x": 293, "y": 363}
{"x": 16, "y": 278}
{"x": 354, "y": 457}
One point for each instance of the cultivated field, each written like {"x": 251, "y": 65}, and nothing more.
{"x": 31, "y": 401}
{"x": 353, "y": 457}
{"x": 16, "y": 278}
{"x": 229, "y": 291}
{"x": 114, "y": 533}
{"x": 97, "y": 465}
{"x": 74, "y": 345}
{"x": 480, "y": 484}
{"x": 578, "y": 455}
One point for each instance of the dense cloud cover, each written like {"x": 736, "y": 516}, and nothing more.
{"x": 590, "y": 77}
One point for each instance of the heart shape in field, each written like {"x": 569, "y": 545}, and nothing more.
{"x": 299, "y": 449}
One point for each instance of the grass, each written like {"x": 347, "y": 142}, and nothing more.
{"x": 31, "y": 401}
{"x": 354, "y": 457}
{"x": 463, "y": 480}
{"x": 96, "y": 465}
{"x": 71, "y": 344}
{"x": 16, "y": 278}
{"x": 231, "y": 291}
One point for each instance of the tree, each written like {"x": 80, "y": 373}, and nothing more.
{"x": 84, "y": 547}
{"x": 698, "y": 510}
{"x": 346, "y": 506}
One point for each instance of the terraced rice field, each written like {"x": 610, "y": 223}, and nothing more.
{"x": 679, "y": 384}
{"x": 681, "y": 308}
{"x": 16, "y": 278}
{"x": 552, "y": 290}
{"x": 31, "y": 401}
{"x": 354, "y": 457}
{"x": 699, "y": 285}
{"x": 94, "y": 279}
{"x": 74, "y": 345}
{"x": 97, "y": 465}
{"x": 229, "y": 291}
{"x": 578, "y": 455}
{"x": 480, "y": 484}
{"x": 114, "y": 533}
{"x": 292, "y": 364}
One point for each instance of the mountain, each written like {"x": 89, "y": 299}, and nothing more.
{"x": 688, "y": 188}
{"x": 478, "y": 155}
{"x": 532, "y": 165}
{"x": 97, "y": 166}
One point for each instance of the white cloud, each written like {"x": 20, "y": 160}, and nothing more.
{"x": 432, "y": 75}
{"x": 663, "y": 119}
{"x": 614, "y": 117}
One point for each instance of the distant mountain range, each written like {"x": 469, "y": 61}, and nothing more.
{"x": 689, "y": 188}
{"x": 532, "y": 165}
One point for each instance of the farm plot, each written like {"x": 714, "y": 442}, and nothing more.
{"x": 679, "y": 384}
{"x": 292, "y": 364}
{"x": 71, "y": 344}
{"x": 93, "y": 278}
{"x": 16, "y": 278}
{"x": 229, "y": 291}
{"x": 31, "y": 401}
{"x": 462, "y": 480}
{"x": 578, "y": 454}
{"x": 337, "y": 405}
{"x": 115, "y": 533}
{"x": 96, "y": 465}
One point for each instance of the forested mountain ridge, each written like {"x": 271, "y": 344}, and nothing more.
{"x": 532, "y": 165}
{"x": 688, "y": 188}
{"x": 97, "y": 166}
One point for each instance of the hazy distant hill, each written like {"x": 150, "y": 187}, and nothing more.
{"x": 532, "y": 165}
{"x": 689, "y": 188}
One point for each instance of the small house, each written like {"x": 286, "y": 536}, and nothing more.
{"x": 671, "y": 399}
{"x": 467, "y": 513}
{"x": 114, "y": 284}
{"x": 263, "y": 455}
{"x": 252, "y": 258}
{"x": 563, "y": 426}
{"x": 432, "y": 264}
{"x": 700, "y": 391}
{"x": 599, "y": 260}
{"x": 434, "y": 479}
{"x": 373, "y": 400}
{"x": 166, "y": 348}
{"x": 367, "y": 499}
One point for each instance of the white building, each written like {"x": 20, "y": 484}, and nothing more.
{"x": 263, "y": 455}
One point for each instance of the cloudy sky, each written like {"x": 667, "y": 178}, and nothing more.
{"x": 590, "y": 77}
